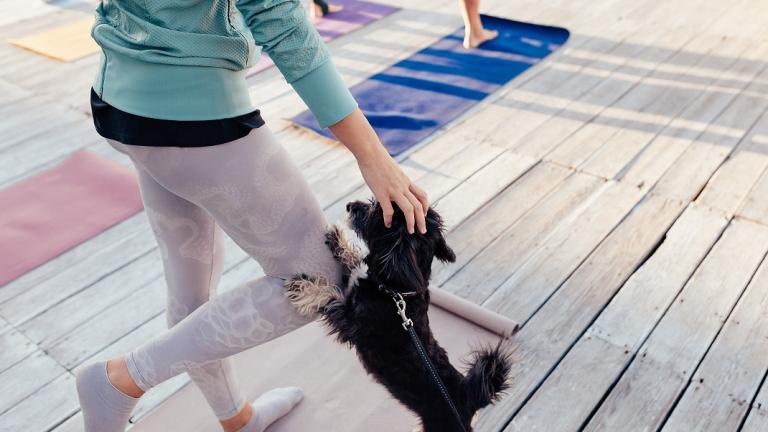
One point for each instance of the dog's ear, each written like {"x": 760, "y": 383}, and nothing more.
{"x": 443, "y": 252}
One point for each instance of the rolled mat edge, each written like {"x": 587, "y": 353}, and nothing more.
{"x": 472, "y": 312}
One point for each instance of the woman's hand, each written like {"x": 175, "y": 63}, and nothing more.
{"x": 382, "y": 174}
{"x": 389, "y": 183}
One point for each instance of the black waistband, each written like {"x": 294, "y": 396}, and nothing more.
{"x": 128, "y": 128}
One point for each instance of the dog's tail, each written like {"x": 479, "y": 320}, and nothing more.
{"x": 488, "y": 374}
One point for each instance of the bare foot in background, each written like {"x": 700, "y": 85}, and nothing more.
{"x": 317, "y": 9}
{"x": 474, "y": 33}
{"x": 472, "y": 40}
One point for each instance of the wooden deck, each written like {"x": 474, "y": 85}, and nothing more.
{"x": 613, "y": 200}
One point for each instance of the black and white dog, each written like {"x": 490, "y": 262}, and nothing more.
{"x": 361, "y": 315}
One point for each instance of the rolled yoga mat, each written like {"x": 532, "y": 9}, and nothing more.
{"x": 356, "y": 14}
{"x": 413, "y": 98}
{"x": 339, "y": 396}
{"x": 51, "y": 212}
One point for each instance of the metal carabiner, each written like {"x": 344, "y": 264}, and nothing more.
{"x": 400, "y": 304}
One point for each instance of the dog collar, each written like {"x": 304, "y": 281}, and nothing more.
{"x": 383, "y": 288}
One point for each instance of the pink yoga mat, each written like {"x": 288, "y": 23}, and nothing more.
{"x": 356, "y": 14}
{"x": 53, "y": 211}
{"x": 338, "y": 394}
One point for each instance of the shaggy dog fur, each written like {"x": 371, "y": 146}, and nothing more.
{"x": 360, "y": 315}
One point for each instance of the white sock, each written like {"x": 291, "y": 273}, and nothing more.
{"x": 105, "y": 408}
{"x": 272, "y": 405}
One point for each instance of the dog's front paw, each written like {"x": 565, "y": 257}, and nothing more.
{"x": 310, "y": 294}
{"x": 344, "y": 251}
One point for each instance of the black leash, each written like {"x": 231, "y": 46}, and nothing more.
{"x": 408, "y": 326}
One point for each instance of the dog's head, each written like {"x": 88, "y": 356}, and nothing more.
{"x": 398, "y": 259}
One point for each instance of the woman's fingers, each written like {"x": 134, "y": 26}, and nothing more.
{"x": 418, "y": 212}
{"x": 407, "y": 208}
{"x": 422, "y": 196}
{"x": 386, "y": 207}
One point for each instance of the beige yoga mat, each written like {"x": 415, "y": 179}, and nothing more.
{"x": 339, "y": 395}
{"x": 65, "y": 43}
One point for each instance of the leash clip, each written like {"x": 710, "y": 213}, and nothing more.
{"x": 400, "y": 303}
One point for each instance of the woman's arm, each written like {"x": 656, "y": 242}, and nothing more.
{"x": 282, "y": 28}
{"x": 382, "y": 174}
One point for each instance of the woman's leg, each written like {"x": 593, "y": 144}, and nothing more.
{"x": 260, "y": 198}
{"x": 192, "y": 249}
{"x": 474, "y": 33}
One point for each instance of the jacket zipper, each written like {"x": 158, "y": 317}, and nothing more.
{"x": 229, "y": 21}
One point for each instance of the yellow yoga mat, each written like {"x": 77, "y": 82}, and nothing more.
{"x": 66, "y": 43}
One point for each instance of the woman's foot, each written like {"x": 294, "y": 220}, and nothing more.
{"x": 317, "y": 10}
{"x": 264, "y": 411}
{"x": 105, "y": 407}
{"x": 473, "y": 39}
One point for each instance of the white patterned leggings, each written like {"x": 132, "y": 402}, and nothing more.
{"x": 252, "y": 190}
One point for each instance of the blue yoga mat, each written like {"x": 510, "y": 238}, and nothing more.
{"x": 414, "y": 97}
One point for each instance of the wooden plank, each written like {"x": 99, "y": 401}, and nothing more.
{"x": 35, "y": 117}
{"x": 14, "y": 347}
{"x": 98, "y": 244}
{"x": 731, "y": 183}
{"x": 570, "y": 142}
{"x": 45, "y": 408}
{"x": 593, "y": 87}
{"x": 479, "y": 188}
{"x": 755, "y": 206}
{"x": 109, "y": 324}
{"x": 553, "y": 262}
{"x": 621, "y": 328}
{"x": 72, "y": 424}
{"x": 36, "y": 154}
{"x": 691, "y": 171}
{"x": 480, "y": 277}
{"x": 476, "y": 232}
{"x": 26, "y": 377}
{"x": 645, "y": 169}
{"x": 757, "y": 420}
{"x": 38, "y": 298}
{"x": 543, "y": 340}
{"x": 62, "y": 317}
{"x": 725, "y": 382}
{"x": 657, "y": 100}
{"x": 646, "y": 392}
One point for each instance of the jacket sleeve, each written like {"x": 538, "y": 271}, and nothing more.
{"x": 283, "y": 30}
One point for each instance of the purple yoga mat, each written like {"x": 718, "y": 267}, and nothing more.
{"x": 356, "y": 14}
{"x": 53, "y": 211}
{"x": 413, "y": 98}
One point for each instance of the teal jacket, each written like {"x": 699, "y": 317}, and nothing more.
{"x": 187, "y": 59}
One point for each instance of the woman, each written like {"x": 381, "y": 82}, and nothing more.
{"x": 171, "y": 94}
